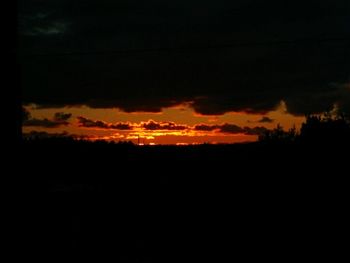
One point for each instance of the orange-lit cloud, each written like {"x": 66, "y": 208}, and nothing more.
{"x": 59, "y": 119}
{"x": 85, "y": 122}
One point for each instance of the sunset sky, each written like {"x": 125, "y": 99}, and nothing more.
{"x": 175, "y": 125}
{"x": 174, "y": 72}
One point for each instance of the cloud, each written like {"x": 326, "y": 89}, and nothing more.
{"x": 255, "y": 131}
{"x": 87, "y": 123}
{"x": 61, "y": 116}
{"x": 230, "y": 129}
{"x": 312, "y": 102}
{"x": 59, "y": 119}
{"x": 205, "y": 127}
{"x": 56, "y": 28}
{"x": 152, "y": 125}
{"x": 220, "y": 56}
{"x": 121, "y": 126}
{"x": 42, "y": 123}
{"x": 149, "y": 125}
{"x": 266, "y": 120}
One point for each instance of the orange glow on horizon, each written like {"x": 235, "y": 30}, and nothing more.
{"x": 174, "y": 125}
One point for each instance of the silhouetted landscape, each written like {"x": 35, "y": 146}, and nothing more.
{"x": 166, "y": 203}
{"x": 180, "y": 131}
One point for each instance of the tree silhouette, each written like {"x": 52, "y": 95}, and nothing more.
{"x": 278, "y": 135}
{"x": 327, "y": 128}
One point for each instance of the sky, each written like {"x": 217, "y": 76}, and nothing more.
{"x": 180, "y": 71}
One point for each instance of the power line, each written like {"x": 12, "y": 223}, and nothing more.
{"x": 303, "y": 41}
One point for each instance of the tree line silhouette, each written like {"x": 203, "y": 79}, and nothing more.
{"x": 326, "y": 128}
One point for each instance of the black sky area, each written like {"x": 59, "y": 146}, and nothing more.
{"x": 219, "y": 55}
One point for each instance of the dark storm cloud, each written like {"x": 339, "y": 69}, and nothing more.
{"x": 219, "y": 55}
{"x": 87, "y": 123}
{"x": 59, "y": 119}
{"x": 152, "y": 125}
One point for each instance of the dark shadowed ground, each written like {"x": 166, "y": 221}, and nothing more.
{"x": 194, "y": 203}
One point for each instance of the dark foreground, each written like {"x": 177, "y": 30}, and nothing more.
{"x": 172, "y": 204}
